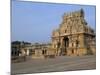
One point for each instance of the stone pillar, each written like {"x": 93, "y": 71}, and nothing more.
{"x": 82, "y": 41}
{"x": 27, "y": 52}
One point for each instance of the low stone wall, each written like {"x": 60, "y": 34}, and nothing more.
{"x": 49, "y": 56}
{"x": 38, "y": 57}
{"x": 16, "y": 59}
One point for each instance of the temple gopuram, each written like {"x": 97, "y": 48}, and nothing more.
{"x": 74, "y": 37}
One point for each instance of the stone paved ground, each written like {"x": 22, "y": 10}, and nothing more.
{"x": 60, "y": 63}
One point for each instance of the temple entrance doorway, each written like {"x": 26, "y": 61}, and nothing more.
{"x": 65, "y": 45}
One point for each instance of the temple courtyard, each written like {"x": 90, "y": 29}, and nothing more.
{"x": 59, "y": 63}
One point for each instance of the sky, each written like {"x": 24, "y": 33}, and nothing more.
{"x": 35, "y": 21}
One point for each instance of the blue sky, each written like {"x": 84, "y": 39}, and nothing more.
{"x": 34, "y": 22}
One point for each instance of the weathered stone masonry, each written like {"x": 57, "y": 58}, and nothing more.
{"x": 74, "y": 36}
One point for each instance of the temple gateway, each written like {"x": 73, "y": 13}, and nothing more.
{"x": 74, "y": 36}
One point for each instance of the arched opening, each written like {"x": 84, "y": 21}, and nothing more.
{"x": 72, "y": 51}
{"x": 65, "y": 45}
{"x": 66, "y": 41}
{"x": 77, "y": 43}
{"x": 44, "y": 52}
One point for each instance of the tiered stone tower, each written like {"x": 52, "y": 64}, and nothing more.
{"x": 74, "y": 36}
